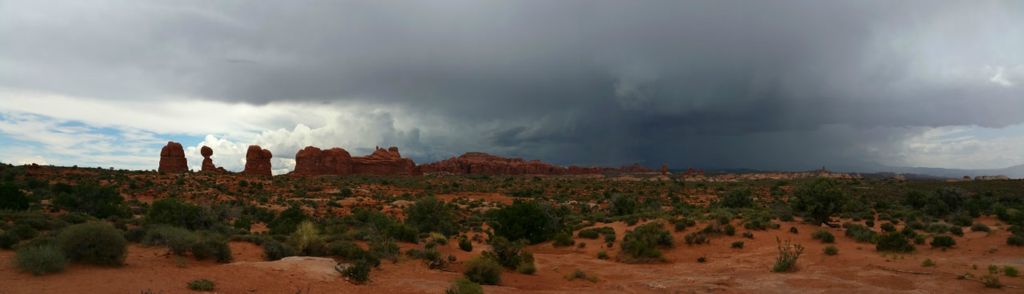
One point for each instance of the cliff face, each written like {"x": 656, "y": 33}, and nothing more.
{"x": 312, "y": 161}
{"x": 478, "y": 163}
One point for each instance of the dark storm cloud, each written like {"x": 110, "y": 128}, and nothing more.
{"x": 769, "y": 84}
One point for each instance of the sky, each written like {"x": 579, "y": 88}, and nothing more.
{"x": 775, "y": 85}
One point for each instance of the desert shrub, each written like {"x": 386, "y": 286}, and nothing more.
{"x": 483, "y": 270}
{"x": 211, "y": 246}
{"x": 92, "y": 199}
{"x": 729, "y": 230}
{"x": 8, "y": 240}
{"x": 642, "y": 243}
{"x": 824, "y": 236}
{"x": 943, "y": 242}
{"x": 464, "y": 286}
{"x": 1015, "y": 240}
{"x": 794, "y": 230}
{"x": 681, "y": 225}
{"x": 563, "y": 239}
{"x": 893, "y": 242}
{"x": 507, "y": 253}
{"x": 1010, "y": 271}
{"x": 40, "y": 260}
{"x": 738, "y": 198}
{"x": 305, "y": 238}
{"x": 696, "y": 238}
{"x": 831, "y": 250}
{"x": 402, "y": 232}
{"x": 991, "y": 280}
{"x": 358, "y": 272}
{"x": 621, "y": 204}
{"x": 527, "y": 268}
{"x": 928, "y": 262}
{"x": 93, "y": 243}
{"x": 757, "y": 222}
{"x": 955, "y": 230}
{"x": 529, "y": 221}
{"x": 579, "y": 274}
{"x": 202, "y": 285}
{"x": 747, "y": 234}
{"x": 980, "y": 227}
{"x": 860, "y": 233}
{"x": 12, "y": 198}
{"x": 818, "y": 200}
{"x": 788, "y": 255}
{"x": 431, "y": 215}
{"x": 869, "y": 223}
{"x": 274, "y": 250}
{"x": 178, "y": 240}
{"x": 737, "y": 245}
{"x": 888, "y": 227}
{"x": 178, "y": 213}
{"x": 286, "y": 222}
{"x": 465, "y": 244}
{"x": 602, "y": 255}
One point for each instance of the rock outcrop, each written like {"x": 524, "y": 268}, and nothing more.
{"x": 478, "y": 163}
{"x": 257, "y": 161}
{"x": 208, "y": 166}
{"x": 172, "y": 159}
{"x": 312, "y": 161}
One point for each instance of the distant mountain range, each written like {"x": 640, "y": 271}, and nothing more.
{"x": 1014, "y": 172}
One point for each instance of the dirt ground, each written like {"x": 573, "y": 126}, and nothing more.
{"x": 858, "y": 268}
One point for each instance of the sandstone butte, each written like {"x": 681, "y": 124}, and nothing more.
{"x": 257, "y": 161}
{"x": 311, "y": 161}
{"x": 208, "y": 166}
{"x": 479, "y": 163}
{"x": 172, "y": 159}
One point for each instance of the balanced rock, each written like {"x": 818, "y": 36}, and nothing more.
{"x": 208, "y": 166}
{"x": 384, "y": 162}
{"x": 172, "y": 159}
{"x": 257, "y": 161}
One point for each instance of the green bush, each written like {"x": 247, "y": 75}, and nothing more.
{"x": 12, "y": 198}
{"x": 831, "y": 250}
{"x": 306, "y": 239}
{"x": 943, "y": 242}
{"x": 696, "y": 238}
{"x": 507, "y": 253}
{"x": 563, "y": 239}
{"x": 286, "y": 222}
{"x": 980, "y": 227}
{"x": 529, "y": 221}
{"x": 359, "y": 272}
{"x": 621, "y": 204}
{"x": 92, "y": 199}
{"x": 178, "y": 240}
{"x": 642, "y": 243}
{"x": 1010, "y": 271}
{"x": 738, "y": 198}
{"x": 788, "y": 255}
{"x": 483, "y": 270}
{"x": 1015, "y": 240}
{"x": 465, "y": 244}
{"x": 893, "y": 242}
{"x": 818, "y": 200}
{"x": 464, "y": 286}
{"x": 178, "y": 213}
{"x": 212, "y": 247}
{"x": 93, "y": 243}
{"x": 40, "y": 260}
{"x": 274, "y": 250}
{"x": 431, "y": 215}
{"x": 824, "y": 236}
{"x": 860, "y": 233}
{"x": 737, "y": 245}
{"x": 202, "y": 285}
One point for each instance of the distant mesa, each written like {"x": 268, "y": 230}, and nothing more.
{"x": 208, "y": 166}
{"x": 257, "y": 161}
{"x": 478, "y": 163}
{"x": 172, "y": 159}
{"x": 311, "y": 161}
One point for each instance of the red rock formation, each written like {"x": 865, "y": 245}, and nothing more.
{"x": 208, "y": 166}
{"x": 311, "y": 161}
{"x": 487, "y": 164}
{"x": 172, "y": 159}
{"x": 257, "y": 161}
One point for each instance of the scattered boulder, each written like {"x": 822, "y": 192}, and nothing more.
{"x": 257, "y": 161}
{"x": 172, "y": 159}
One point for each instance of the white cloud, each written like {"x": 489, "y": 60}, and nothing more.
{"x": 966, "y": 147}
